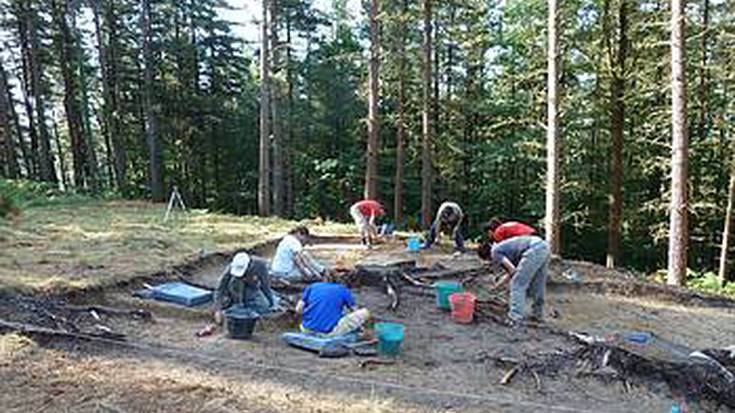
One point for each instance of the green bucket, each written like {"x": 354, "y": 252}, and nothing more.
{"x": 443, "y": 290}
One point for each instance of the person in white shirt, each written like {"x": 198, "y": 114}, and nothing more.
{"x": 292, "y": 263}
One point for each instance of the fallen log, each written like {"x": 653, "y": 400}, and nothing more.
{"x": 137, "y": 313}
{"x": 450, "y": 273}
{"x": 414, "y": 281}
{"x": 44, "y": 331}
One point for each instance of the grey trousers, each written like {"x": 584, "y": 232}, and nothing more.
{"x": 530, "y": 279}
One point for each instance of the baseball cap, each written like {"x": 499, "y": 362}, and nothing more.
{"x": 240, "y": 264}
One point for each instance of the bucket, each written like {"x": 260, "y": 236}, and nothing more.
{"x": 390, "y": 338}
{"x": 240, "y": 322}
{"x": 443, "y": 290}
{"x": 414, "y": 244}
{"x": 463, "y": 307}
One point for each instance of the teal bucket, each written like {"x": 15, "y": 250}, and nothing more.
{"x": 443, "y": 290}
{"x": 414, "y": 244}
{"x": 390, "y": 338}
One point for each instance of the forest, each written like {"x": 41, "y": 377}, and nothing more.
{"x": 593, "y": 119}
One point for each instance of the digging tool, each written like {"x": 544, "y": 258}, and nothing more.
{"x": 508, "y": 376}
{"x": 375, "y": 361}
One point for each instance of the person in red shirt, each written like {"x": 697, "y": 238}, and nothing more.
{"x": 499, "y": 231}
{"x": 364, "y": 213}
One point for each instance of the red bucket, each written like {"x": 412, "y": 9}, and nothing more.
{"x": 463, "y": 307}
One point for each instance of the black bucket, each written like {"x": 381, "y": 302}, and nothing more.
{"x": 240, "y": 322}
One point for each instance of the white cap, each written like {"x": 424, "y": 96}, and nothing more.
{"x": 240, "y": 264}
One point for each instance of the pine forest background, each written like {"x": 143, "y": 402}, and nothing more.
{"x": 132, "y": 97}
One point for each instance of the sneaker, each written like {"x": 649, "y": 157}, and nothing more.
{"x": 537, "y": 318}
{"x": 513, "y": 323}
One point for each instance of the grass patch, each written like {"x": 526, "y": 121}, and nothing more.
{"x": 64, "y": 246}
{"x": 704, "y": 282}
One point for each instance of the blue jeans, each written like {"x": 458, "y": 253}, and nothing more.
{"x": 532, "y": 273}
{"x": 456, "y": 234}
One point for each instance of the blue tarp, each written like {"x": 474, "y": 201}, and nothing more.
{"x": 316, "y": 343}
{"x": 181, "y": 293}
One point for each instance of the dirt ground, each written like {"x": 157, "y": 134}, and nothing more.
{"x": 444, "y": 366}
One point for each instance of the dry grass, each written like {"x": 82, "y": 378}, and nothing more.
{"x": 68, "y": 247}
{"x": 52, "y": 381}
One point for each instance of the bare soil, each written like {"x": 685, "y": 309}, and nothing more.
{"x": 162, "y": 366}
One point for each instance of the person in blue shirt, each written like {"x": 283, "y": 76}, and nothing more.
{"x": 329, "y": 309}
{"x": 526, "y": 262}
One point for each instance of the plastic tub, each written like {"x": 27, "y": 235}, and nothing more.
{"x": 463, "y": 307}
{"x": 390, "y": 338}
{"x": 443, "y": 290}
{"x": 240, "y": 322}
{"x": 414, "y": 244}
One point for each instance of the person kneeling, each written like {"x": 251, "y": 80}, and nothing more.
{"x": 327, "y": 309}
{"x": 292, "y": 263}
{"x": 245, "y": 282}
{"x": 526, "y": 261}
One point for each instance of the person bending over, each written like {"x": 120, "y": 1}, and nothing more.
{"x": 498, "y": 231}
{"x": 364, "y": 214}
{"x": 448, "y": 218}
{"x": 245, "y": 282}
{"x": 525, "y": 260}
{"x": 328, "y": 309}
{"x": 291, "y": 262}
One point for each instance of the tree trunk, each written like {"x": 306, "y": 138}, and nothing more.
{"x": 617, "y": 125}
{"x": 678, "y": 231}
{"x": 71, "y": 104}
{"x": 436, "y": 94}
{"x": 150, "y": 108}
{"x": 104, "y": 120}
{"x": 278, "y": 181}
{"x": 426, "y": 131}
{"x": 46, "y": 171}
{"x": 26, "y": 156}
{"x": 9, "y": 158}
{"x": 289, "y": 146}
{"x": 107, "y": 51}
{"x": 264, "y": 195}
{"x": 553, "y": 138}
{"x": 373, "y": 125}
{"x": 704, "y": 75}
{"x": 722, "y": 273}
{"x": 91, "y": 166}
{"x": 32, "y": 155}
{"x": 400, "y": 120}
{"x": 62, "y": 162}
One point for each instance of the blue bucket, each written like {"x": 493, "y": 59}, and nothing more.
{"x": 414, "y": 244}
{"x": 390, "y": 338}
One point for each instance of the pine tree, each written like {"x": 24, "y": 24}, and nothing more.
{"x": 150, "y": 106}
{"x": 618, "y": 56}
{"x": 264, "y": 193}
{"x": 678, "y": 230}
{"x": 426, "y": 116}
{"x": 553, "y": 138}
{"x": 373, "y": 124}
